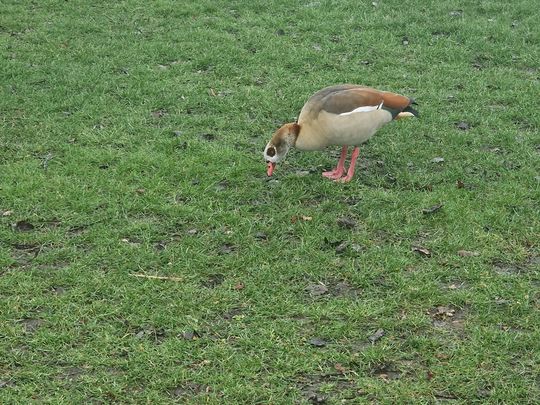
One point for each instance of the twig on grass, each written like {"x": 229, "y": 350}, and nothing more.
{"x": 157, "y": 277}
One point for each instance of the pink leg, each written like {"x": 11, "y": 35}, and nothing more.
{"x": 338, "y": 171}
{"x": 350, "y": 173}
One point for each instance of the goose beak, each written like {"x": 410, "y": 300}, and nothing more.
{"x": 270, "y": 168}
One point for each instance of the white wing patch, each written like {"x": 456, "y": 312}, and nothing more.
{"x": 365, "y": 108}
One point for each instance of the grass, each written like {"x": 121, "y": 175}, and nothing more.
{"x": 266, "y": 306}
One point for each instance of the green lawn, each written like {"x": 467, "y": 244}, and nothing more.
{"x": 131, "y": 139}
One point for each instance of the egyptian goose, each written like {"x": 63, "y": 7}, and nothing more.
{"x": 346, "y": 115}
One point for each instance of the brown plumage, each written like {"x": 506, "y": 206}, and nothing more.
{"x": 346, "y": 115}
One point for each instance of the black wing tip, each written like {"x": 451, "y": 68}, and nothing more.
{"x": 412, "y": 111}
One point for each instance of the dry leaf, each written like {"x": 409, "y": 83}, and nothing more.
{"x": 467, "y": 253}
{"x": 339, "y": 368}
{"x": 443, "y": 312}
{"x": 421, "y": 250}
{"x": 296, "y": 218}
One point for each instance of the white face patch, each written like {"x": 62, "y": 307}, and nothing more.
{"x": 268, "y": 158}
{"x": 365, "y": 108}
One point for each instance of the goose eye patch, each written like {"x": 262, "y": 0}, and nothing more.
{"x": 271, "y": 151}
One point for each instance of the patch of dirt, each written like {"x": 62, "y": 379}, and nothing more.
{"x": 318, "y": 342}
{"x": 190, "y": 335}
{"x": 346, "y": 223}
{"x": 213, "y": 280}
{"x": 533, "y": 261}
{"x": 301, "y": 319}
{"x": 114, "y": 371}
{"x": 379, "y": 333}
{"x": 54, "y": 266}
{"x": 386, "y": 372}
{"x": 261, "y": 236}
{"x": 316, "y": 290}
{"x": 208, "y": 137}
{"x": 77, "y": 230}
{"x": 188, "y": 389}
{"x": 344, "y": 289}
{"x": 156, "y": 335}
{"x": 58, "y": 290}
{"x": 160, "y": 113}
{"x": 370, "y": 164}
{"x": 227, "y": 249}
{"x": 222, "y": 185}
{"x": 448, "y": 317}
{"x": 232, "y": 313}
{"x": 508, "y": 269}
{"x": 333, "y": 288}
{"x": 6, "y": 384}
{"x": 22, "y": 226}
{"x": 31, "y": 325}
{"x": 342, "y": 247}
{"x": 24, "y": 253}
{"x": 327, "y": 388}
{"x": 351, "y": 201}
{"x": 72, "y": 373}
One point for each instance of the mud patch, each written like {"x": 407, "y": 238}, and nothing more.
{"x": 448, "y": 317}
{"x": 155, "y": 335}
{"x": 214, "y": 280}
{"x": 72, "y": 373}
{"x": 24, "y": 254}
{"x": 508, "y": 269}
{"x": 386, "y": 372}
{"x": 504, "y": 268}
{"x": 233, "y": 313}
{"x": 31, "y": 325}
{"x": 6, "y": 384}
{"x": 327, "y": 388}
{"x": 188, "y": 389}
{"x": 332, "y": 288}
